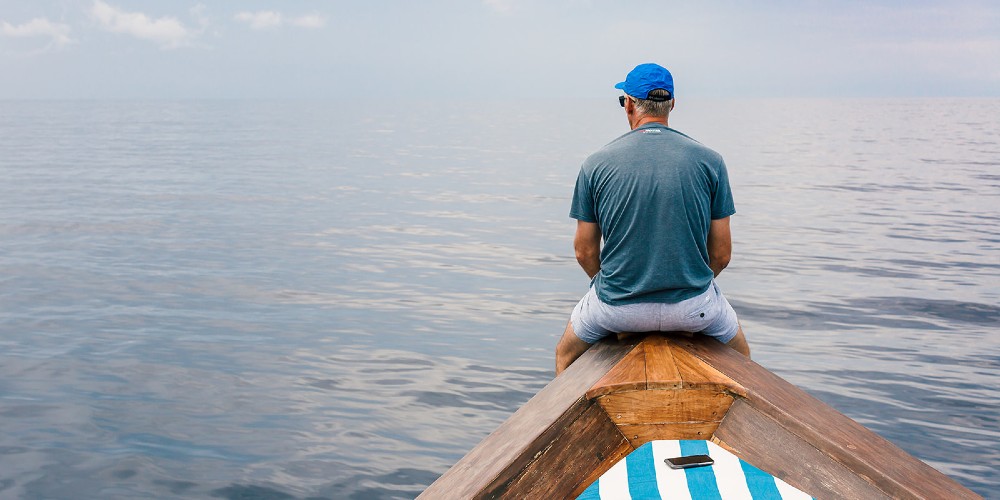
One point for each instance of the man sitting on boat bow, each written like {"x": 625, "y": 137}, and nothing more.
{"x": 661, "y": 202}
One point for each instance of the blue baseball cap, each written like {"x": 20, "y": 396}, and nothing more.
{"x": 647, "y": 77}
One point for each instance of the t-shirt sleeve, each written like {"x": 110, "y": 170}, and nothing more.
{"x": 583, "y": 206}
{"x": 722, "y": 198}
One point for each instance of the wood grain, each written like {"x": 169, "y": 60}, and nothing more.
{"x": 628, "y": 374}
{"x": 587, "y": 448}
{"x": 640, "y": 434}
{"x": 861, "y": 451}
{"x": 661, "y": 371}
{"x": 512, "y": 446}
{"x": 666, "y": 406}
{"x": 761, "y": 441}
{"x": 696, "y": 372}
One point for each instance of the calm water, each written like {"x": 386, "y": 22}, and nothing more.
{"x": 290, "y": 300}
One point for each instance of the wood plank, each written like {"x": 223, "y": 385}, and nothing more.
{"x": 640, "y": 434}
{"x": 628, "y": 374}
{"x": 666, "y": 406}
{"x": 512, "y": 446}
{"x": 761, "y": 441}
{"x": 661, "y": 371}
{"x": 868, "y": 455}
{"x": 598, "y": 471}
{"x": 696, "y": 372}
{"x": 588, "y": 447}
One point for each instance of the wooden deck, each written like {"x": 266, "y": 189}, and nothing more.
{"x": 620, "y": 395}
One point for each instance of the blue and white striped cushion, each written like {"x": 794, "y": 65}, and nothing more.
{"x": 644, "y": 475}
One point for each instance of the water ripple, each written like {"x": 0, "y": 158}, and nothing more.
{"x": 292, "y": 300}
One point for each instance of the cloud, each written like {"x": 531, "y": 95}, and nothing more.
{"x": 198, "y": 14}
{"x": 260, "y": 20}
{"x": 310, "y": 21}
{"x": 168, "y": 32}
{"x": 40, "y": 27}
{"x": 500, "y": 6}
{"x": 265, "y": 19}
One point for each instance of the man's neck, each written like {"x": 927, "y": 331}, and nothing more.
{"x": 645, "y": 120}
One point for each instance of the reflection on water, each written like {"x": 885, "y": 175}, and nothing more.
{"x": 292, "y": 300}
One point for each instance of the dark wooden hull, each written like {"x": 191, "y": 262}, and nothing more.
{"x": 620, "y": 395}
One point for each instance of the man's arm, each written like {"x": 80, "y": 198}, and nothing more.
{"x": 720, "y": 245}
{"x": 587, "y": 244}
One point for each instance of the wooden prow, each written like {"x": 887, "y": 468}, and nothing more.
{"x": 660, "y": 391}
{"x": 621, "y": 394}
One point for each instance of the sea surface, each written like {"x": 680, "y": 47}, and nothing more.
{"x": 290, "y": 299}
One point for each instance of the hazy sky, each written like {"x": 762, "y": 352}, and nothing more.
{"x": 429, "y": 49}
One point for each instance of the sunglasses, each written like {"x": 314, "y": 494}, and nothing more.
{"x": 621, "y": 99}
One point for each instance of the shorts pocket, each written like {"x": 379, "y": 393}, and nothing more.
{"x": 702, "y": 314}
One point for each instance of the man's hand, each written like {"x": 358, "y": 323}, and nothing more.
{"x": 587, "y": 244}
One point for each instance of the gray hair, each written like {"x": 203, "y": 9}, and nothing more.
{"x": 649, "y": 107}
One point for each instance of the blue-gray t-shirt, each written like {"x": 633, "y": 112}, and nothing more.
{"x": 654, "y": 192}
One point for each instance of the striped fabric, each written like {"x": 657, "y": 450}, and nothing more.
{"x": 644, "y": 475}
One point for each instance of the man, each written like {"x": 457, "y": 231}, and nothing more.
{"x": 661, "y": 202}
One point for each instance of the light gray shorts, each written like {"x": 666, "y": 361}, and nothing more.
{"x": 708, "y": 314}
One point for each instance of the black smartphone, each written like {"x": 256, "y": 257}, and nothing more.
{"x": 690, "y": 461}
